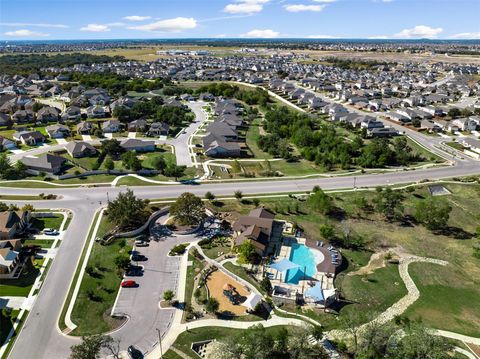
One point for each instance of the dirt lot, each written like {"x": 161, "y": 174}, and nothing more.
{"x": 216, "y": 282}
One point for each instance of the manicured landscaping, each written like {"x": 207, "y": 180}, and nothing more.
{"x": 7, "y": 319}
{"x": 99, "y": 287}
{"x": 44, "y": 243}
{"x": 54, "y": 222}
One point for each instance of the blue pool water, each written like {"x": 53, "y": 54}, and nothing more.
{"x": 304, "y": 257}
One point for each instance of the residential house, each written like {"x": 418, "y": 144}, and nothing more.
{"x": 465, "y": 124}
{"x": 23, "y": 116}
{"x": 5, "y": 120}
{"x": 6, "y": 144}
{"x": 96, "y": 112}
{"x": 9, "y": 260}
{"x": 471, "y": 143}
{"x": 78, "y": 149}
{"x": 382, "y": 132}
{"x": 48, "y": 114}
{"x": 30, "y": 138}
{"x": 13, "y": 223}
{"x": 84, "y": 128}
{"x": 47, "y": 163}
{"x": 217, "y": 146}
{"x": 158, "y": 129}
{"x": 111, "y": 126}
{"x": 137, "y": 126}
{"x": 72, "y": 113}
{"x": 132, "y": 144}
{"x": 57, "y": 131}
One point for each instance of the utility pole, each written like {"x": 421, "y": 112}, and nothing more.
{"x": 108, "y": 198}
{"x": 160, "y": 343}
{"x": 354, "y": 182}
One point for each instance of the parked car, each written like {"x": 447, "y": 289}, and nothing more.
{"x": 140, "y": 243}
{"x": 51, "y": 232}
{"x": 139, "y": 258}
{"x": 129, "y": 283}
{"x": 134, "y": 271}
{"x": 134, "y": 353}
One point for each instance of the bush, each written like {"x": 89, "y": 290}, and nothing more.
{"x": 178, "y": 249}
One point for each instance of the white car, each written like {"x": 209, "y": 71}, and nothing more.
{"x": 51, "y": 232}
{"x": 141, "y": 244}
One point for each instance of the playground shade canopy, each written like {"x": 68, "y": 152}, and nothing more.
{"x": 252, "y": 300}
{"x": 284, "y": 265}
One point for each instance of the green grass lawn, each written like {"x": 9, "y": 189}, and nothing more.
{"x": 21, "y": 286}
{"x": 253, "y": 133}
{"x": 47, "y": 222}
{"x": 19, "y": 197}
{"x": 214, "y": 251}
{"x": 426, "y": 154}
{"x": 91, "y": 313}
{"x": 242, "y": 273}
{"x": 44, "y": 243}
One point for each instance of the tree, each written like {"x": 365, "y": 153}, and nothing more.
{"x": 433, "y": 213}
{"x": 238, "y": 195}
{"x": 90, "y": 347}
{"x": 173, "y": 170}
{"x": 327, "y": 231}
{"x": 127, "y": 211}
{"x": 389, "y": 203}
{"x": 109, "y": 165}
{"x": 209, "y": 196}
{"x": 131, "y": 161}
{"x": 454, "y": 112}
{"x": 212, "y": 305}
{"x": 256, "y": 201}
{"x": 158, "y": 163}
{"x": 111, "y": 147}
{"x": 188, "y": 209}
{"x": 236, "y": 167}
{"x": 420, "y": 343}
{"x": 377, "y": 340}
{"x": 122, "y": 261}
{"x": 168, "y": 295}
{"x": 247, "y": 252}
{"x": 266, "y": 285}
{"x": 28, "y": 207}
{"x": 112, "y": 346}
{"x": 320, "y": 202}
{"x": 3, "y": 207}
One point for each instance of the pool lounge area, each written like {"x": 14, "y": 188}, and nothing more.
{"x": 300, "y": 268}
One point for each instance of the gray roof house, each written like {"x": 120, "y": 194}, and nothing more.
{"x": 78, "y": 149}
{"x": 6, "y": 144}
{"x": 47, "y": 163}
{"x": 111, "y": 126}
{"x": 48, "y": 114}
{"x": 57, "y": 131}
{"x": 158, "y": 129}
{"x": 216, "y": 146}
{"x": 84, "y": 128}
{"x": 137, "y": 126}
{"x": 132, "y": 144}
{"x": 29, "y": 137}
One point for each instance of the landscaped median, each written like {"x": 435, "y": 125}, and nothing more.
{"x": 99, "y": 282}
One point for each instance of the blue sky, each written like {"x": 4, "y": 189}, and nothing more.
{"x": 111, "y": 19}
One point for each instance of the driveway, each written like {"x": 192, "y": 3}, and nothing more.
{"x": 142, "y": 304}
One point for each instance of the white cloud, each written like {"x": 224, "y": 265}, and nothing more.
{"x": 35, "y": 25}
{"x": 245, "y": 6}
{"x": 466, "y": 35}
{"x": 378, "y": 37}
{"x": 321, "y": 37}
{"x": 419, "y": 31}
{"x": 25, "y": 33}
{"x": 95, "y": 28}
{"x": 177, "y": 24}
{"x": 325, "y": 1}
{"x": 136, "y": 18}
{"x": 302, "y": 7}
{"x": 261, "y": 34}
{"x": 115, "y": 24}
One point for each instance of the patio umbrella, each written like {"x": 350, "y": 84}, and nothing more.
{"x": 316, "y": 292}
{"x": 284, "y": 265}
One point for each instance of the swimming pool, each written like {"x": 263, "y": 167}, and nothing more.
{"x": 307, "y": 259}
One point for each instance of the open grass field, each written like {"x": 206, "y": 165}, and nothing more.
{"x": 447, "y": 293}
{"x": 98, "y": 289}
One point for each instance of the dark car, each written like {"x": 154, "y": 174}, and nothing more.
{"x": 134, "y": 353}
{"x": 139, "y": 258}
{"x": 134, "y": 271}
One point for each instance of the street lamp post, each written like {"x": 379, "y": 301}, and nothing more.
{"x": 160, "y": 343}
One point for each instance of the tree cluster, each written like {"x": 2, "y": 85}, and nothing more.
{"x": 256, "y": 96}
{"x": 188, "y": 209}
{"x": 127, "y": 211}
{"x": 258, "y": 343}
{"x": 9, "y": 171}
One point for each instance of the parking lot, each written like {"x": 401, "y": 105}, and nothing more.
{"x": 142, "y": 303}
